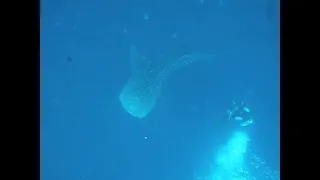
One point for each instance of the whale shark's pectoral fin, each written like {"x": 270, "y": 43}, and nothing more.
{"x": 190, "y": 58}
{"x": 137, "y": 61}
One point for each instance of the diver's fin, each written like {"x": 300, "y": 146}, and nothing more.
{"x": 135, "y": 58}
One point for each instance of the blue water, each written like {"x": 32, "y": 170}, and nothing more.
{"x": 84, "y": 63}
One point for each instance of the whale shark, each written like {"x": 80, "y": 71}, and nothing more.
{"x": 142, "y": 90}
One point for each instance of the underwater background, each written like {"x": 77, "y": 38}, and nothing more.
{"x": 85, "y": 133}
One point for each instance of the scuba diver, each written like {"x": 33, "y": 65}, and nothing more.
{"x": 241, "y": 113}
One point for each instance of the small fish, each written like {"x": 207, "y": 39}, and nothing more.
{"x": 69, "y": 58}
{"x": 246, "y": 109}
